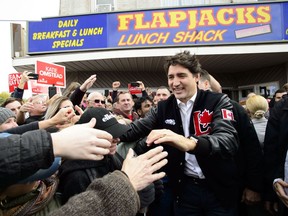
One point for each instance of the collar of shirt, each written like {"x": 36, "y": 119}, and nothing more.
{"x": 185, "y": 112}
{"x": 190, "y": 102}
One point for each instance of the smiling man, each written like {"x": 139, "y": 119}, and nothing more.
{"x": 195, "y": 127}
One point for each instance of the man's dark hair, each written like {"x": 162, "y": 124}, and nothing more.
{"x": 281, "y": 90}
{"x": 186, "y": 60}
{"x": 120, "y": 93}
{"x": 11, "y": 100}
{"x": 285, "y": 87}
{"x": 141, "y": 100}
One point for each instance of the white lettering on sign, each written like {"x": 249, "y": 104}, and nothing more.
{"x": 51, "y": 69}
{"x": 51, "y": 74}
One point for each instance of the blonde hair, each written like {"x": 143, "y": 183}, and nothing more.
{"x": 54, "y": 107}
{"x": 257, "y": 106}
{"x": 71, "y": 88}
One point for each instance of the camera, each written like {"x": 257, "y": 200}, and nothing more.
{"x": 33, "y": 76}
{"x": 134, "y": 84}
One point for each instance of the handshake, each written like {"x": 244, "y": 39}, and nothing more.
{"x": 84, "y": 142}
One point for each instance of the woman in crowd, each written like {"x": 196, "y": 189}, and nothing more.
{"x": 257, "y": 106}
{"x": 58, "y": 102}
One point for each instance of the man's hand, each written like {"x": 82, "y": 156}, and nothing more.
{"x": 88, "y": 83}
{"x": 279, "y": 188}
{"x": 77, "y": 117}
{"x": 250, "y": 197}
{"x": 271, "y": 207}
{"x": 173, "y": 139}
{"x": 82, "y": 142}
{"x": 26, "y": 107}
{"x": 63, "y": 116}
{"x": 141, "y": 85}
{"x": 24, "y": 78}
{"x": 141, "y": 169}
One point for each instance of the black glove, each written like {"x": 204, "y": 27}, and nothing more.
{"x": 159, "y": 189}
{"x": 147, "y": 196}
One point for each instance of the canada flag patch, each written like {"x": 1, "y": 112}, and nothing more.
{"x": 227, "y": 114}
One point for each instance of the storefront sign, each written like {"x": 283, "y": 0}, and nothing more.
{"x": 249, "y": 23}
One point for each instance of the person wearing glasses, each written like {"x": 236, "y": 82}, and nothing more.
{"x": 38, "y": 107}
{"x": 96, "y": 99}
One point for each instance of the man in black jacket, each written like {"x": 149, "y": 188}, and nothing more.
{"x": 249, "y": 157}
{"x": 195, "y": 127}
{"x": 276, "y": 159}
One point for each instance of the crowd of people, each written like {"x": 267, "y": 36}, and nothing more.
{"x": 185, "y": 149}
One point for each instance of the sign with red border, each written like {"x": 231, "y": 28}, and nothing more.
{"x": 51, "y": 74}
{"x": 14, "y": 80}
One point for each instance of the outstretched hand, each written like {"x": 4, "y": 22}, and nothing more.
{"x": 82, "y": 141}
{"x": 141, "y": 169}
{"x": 88, "y": 83}
{"x": 280, "y": 186}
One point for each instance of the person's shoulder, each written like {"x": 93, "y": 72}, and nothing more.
{"x": 169, "y": 100}
{"x": 281, "y": 105}
{"x": 237, "y": 106}
{"x": 211, "y": 95}
{"x": 79, "y": 165}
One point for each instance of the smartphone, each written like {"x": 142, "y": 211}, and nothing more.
{"x": 106, "y": 93}
{"x": 52, "y": 91}
{"x": 134, "y": 84}
{"x": 34, "y": 76}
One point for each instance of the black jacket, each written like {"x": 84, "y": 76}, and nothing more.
{"x": 249, "y": 156}
{"x": 217, "y": 141}
{"x": 275, "y": 146}
{"x": 24, "y": 128}
{"x": 23, "y": 155}
{"x": 76, "y": 175}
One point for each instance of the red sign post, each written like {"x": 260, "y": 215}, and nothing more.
{"x": 51, "y": 74}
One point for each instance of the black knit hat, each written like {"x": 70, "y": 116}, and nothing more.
{"x": 105, "y": 120}
{"x": 5, "y": 114}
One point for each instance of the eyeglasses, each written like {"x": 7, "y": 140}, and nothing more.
{"x": 39, "y": 102}
{"x": 99, "y": 101}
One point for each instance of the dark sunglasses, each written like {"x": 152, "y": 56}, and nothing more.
{"x": 98, "y": 101}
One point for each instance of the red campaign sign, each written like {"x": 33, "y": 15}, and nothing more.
{"x": 41, "y": 89}
{"x": 51, "y": 74}
{"x": 14, "y": 80}
{"x": 134, "y": 89}
{"x": 38, "y": 89}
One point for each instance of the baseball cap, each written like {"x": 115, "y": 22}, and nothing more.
{"x": 5, "y": 114}
{"x": 105, "y": 120}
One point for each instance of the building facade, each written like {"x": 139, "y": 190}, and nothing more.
{"x": 239, "y": 42}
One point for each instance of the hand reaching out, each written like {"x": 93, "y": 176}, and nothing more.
{"x": 88, "y": 83}
{"x": 82, "y": 142}
{"x": 279, "y": 188}
{"x": 141, "y": 169}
